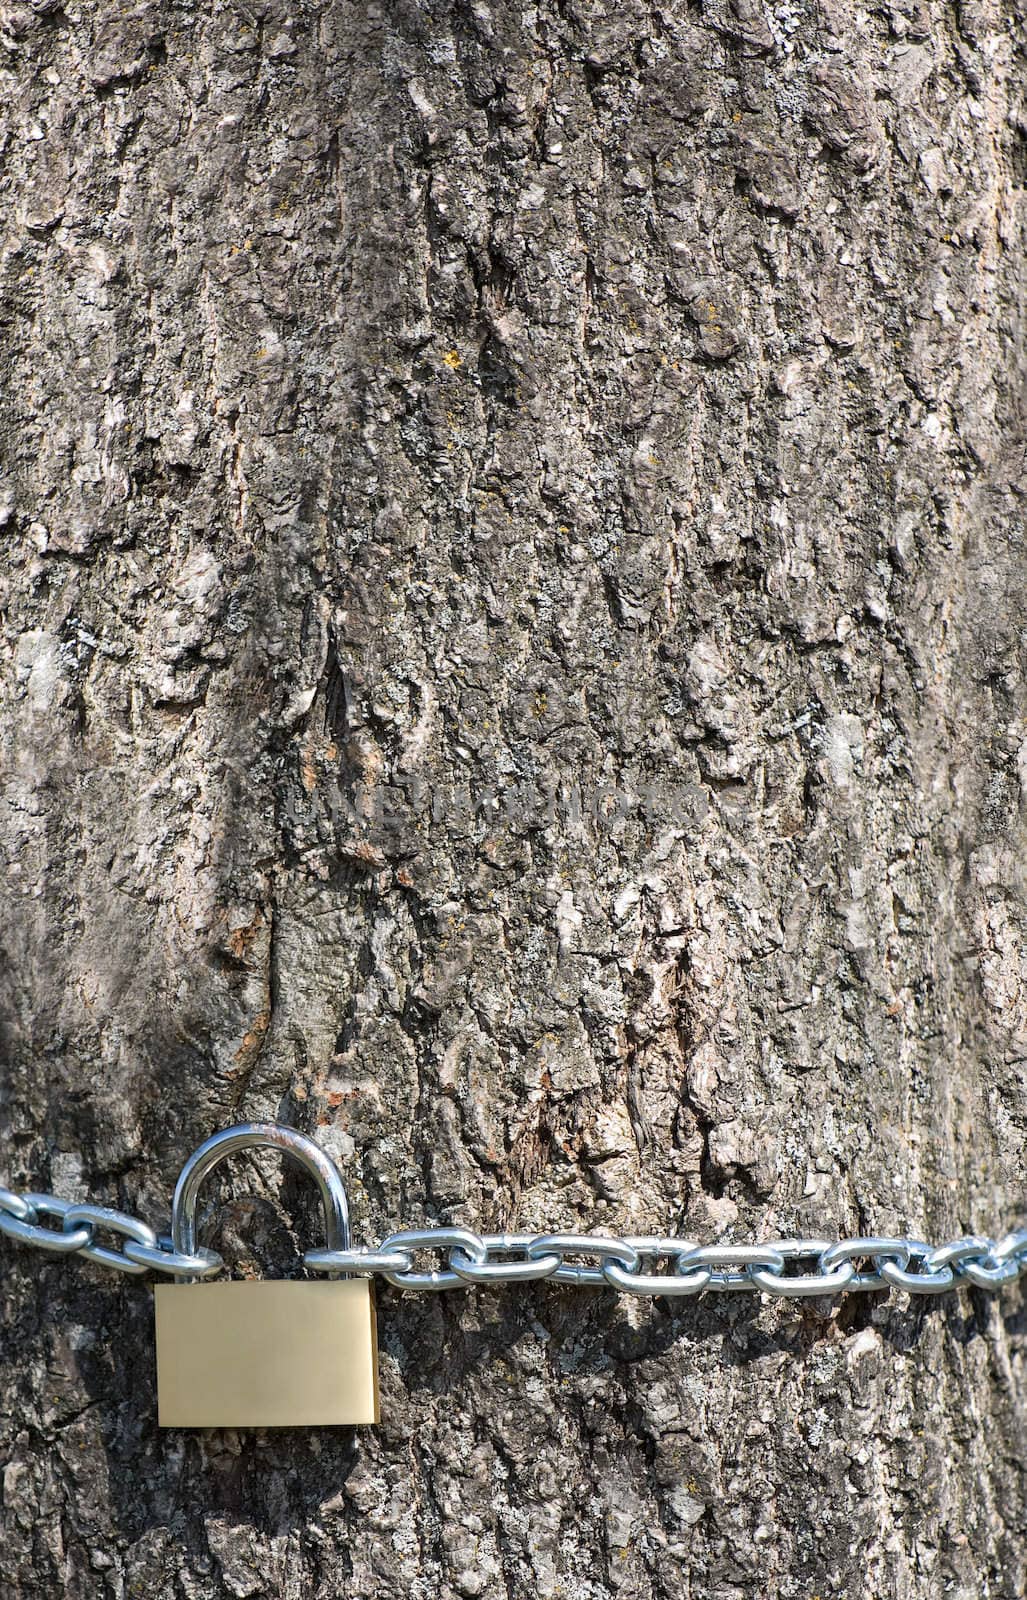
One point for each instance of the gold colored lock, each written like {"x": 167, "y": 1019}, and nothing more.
{"x": 271, "y": 1354}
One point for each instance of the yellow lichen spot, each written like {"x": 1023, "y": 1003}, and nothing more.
{"x": 453, "y": 359}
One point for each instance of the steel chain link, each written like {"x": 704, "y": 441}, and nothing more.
{"x": 642, "y": 1265}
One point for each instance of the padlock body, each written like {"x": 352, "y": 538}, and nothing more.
{"x": 266, "y": 1354}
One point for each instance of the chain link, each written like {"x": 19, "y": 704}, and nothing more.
{"x": 411, "y": 1239}
{"x": 642, "y": 1265}
{"x": 560, "y": 1245}
{"x": 519, "y": 1267}
{"x": 113, "y": 1222}
{"x": 163, "y": 1257}
{"x": 675, "y": 1282}
{"x": 28, "y": 1230}
{"x": 724, "y": 1261}
{"x": 799, "y": 1285}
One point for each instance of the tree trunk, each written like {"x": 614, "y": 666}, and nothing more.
{"x": 514, "y": 588}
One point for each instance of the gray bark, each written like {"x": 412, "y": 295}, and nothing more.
{"x": 514, "y": 589}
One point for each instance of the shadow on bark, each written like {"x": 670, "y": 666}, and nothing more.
{"x": 274, "y": 1481}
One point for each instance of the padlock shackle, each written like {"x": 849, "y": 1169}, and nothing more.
{"x": 246, "y": 1136}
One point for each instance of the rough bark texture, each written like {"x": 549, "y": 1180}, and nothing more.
{"x": 514, "y": 592}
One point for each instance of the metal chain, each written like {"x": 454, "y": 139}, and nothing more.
{"x": 638, "y": 1265}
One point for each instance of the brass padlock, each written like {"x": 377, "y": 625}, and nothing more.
{"x": 269, "y": 1354}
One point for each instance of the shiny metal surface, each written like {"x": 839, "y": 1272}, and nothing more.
{"x": 252, "y": 1136}
{"x": 650, "y": 1264}
{"x": 270, "y": 1354}
{"x": 112, "y": 1222}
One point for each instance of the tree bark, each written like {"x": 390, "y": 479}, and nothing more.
{"x": 514, "y": 593}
